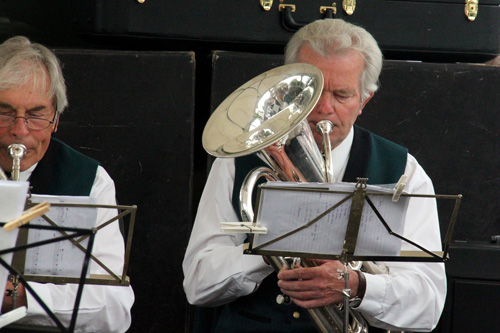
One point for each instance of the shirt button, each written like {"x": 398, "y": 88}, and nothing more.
{"x": 296, "y": 315}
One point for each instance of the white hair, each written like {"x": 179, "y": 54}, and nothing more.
{"x": 334, "y": 36}
{"x": 22, "y": 61}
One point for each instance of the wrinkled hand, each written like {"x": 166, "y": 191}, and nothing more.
{"x": 316, "y": 286}
{"x": 7, "y": 304}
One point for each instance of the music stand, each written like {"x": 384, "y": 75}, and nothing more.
{"x": 359, "y": 196}
{"x": 347, "y": 252}
{"x": 69, "y": 234}
{"x": 76, "y": 236}
{"x": 110, "y": 278}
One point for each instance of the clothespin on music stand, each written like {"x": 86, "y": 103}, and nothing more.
{"x": 28, "y": 215}
{"x": 398, "y": 189}
{"x": 244, "y": 227}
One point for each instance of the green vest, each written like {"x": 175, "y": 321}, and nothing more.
{"x": 372, "y": 157}
{"x": 63, "y": 171}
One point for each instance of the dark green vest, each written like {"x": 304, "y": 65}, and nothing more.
{"x": 63, "y": 171}
{"x": 372, "y": 157}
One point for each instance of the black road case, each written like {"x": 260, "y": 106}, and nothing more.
{"x": 457, "y": 30}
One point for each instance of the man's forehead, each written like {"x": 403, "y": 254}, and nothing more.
{"x": 27, "y": 97}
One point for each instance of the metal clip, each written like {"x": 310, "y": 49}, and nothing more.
{"x": 349, "y": 6}
{"x": 266, "y": 4}
{"x": 333, "y": 7}
{"x": 283, "y": 6}
{"x": 398, "y": 189}
{"x": 471, "y": 9}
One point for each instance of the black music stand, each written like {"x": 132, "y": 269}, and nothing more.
{"x": 75, "y": 236}
{"x": 347, "y": 251}
{"x": 104, "y": 279}
{"x": 70, "y": 233}
{"x": 359, "y": 197}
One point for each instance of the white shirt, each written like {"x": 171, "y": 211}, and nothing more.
{"x": 102, "y": 308}
{"x": 409, "y": 297}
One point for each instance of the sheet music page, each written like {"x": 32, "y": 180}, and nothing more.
{"x": 12, "y": 201}
{"x": 282, "y": 211}
{"x": 60, "y": 258}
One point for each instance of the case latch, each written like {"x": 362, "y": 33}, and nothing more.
{"x": 282, "y": 7}
{"x": 332, "y": 9}
{"x": 349, "y": 6}
{"x": 266, "y": 4}
{"x": 471, "y": 8}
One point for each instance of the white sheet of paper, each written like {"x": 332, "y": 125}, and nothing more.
{"x": 282, "y": 211}
{"x": 60, "y": 258}
{"x": 12, "y": 316}
{"x": 12, "y": 202}
{"x": 12, "y": 199}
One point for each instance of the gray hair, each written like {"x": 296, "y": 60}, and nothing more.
{"x": 22, "y": 61}
{"x": 335, "y": 36}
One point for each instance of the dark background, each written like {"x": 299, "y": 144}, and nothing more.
{"x": 143, "y": 78}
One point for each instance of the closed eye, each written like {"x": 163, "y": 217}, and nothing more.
{"x": 37, "y": 112}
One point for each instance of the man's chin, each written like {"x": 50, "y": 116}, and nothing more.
{"x": 25, "y": 165}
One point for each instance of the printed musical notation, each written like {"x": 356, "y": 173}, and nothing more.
{"x": 61, "y": 258}
{"x": 284, "y": 207}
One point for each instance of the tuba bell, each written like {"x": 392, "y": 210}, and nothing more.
{"x": 267, "y": 116}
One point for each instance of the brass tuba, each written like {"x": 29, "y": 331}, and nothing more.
{"x": 267, "y": 116}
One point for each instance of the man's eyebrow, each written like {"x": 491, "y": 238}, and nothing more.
{"x": 36, "y": 108}
{"x": 6, "y": 106}
{"x": 345, "y": 91}
{"x": 33, "y": 109}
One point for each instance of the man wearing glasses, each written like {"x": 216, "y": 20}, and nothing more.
{"x": 32, "y": 98}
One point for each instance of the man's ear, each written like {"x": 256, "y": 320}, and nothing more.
{"x": 365, "y": 102}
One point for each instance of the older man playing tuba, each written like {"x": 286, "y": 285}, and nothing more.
{"x": 242, "y": 288}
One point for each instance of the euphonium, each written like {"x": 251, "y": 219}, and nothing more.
{"x": 267, "y": 116}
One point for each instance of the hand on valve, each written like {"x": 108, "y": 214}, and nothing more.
{"x": 8, "y": 301}
{"x": 311, "y": 287}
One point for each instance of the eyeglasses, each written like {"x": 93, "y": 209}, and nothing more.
{"x": 36, "y": 124}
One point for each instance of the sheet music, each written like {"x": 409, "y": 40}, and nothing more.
{"x": 12, "y": 202}
{"x": 59, "y": 258}
{"x": 282, "y": 211}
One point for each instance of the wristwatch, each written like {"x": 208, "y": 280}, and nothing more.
{"x": 356, "y": 300}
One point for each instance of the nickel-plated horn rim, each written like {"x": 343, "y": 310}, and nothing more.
{"x": 263, "y": 110}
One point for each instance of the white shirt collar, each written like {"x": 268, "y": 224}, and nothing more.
{"x": 26, "y": 174}
{"x": 340, "y": 156}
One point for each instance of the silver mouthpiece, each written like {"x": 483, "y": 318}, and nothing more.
{"x": 325, "y": 127}
{"x": 17, "y": 152}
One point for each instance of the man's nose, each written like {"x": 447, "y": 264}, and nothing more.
{"x": 19, "y": 128}
{"x": 325, "y": 104}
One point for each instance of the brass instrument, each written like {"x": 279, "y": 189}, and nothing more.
{"x": 16, "y": 152}
{"x": 267, "y": 116}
